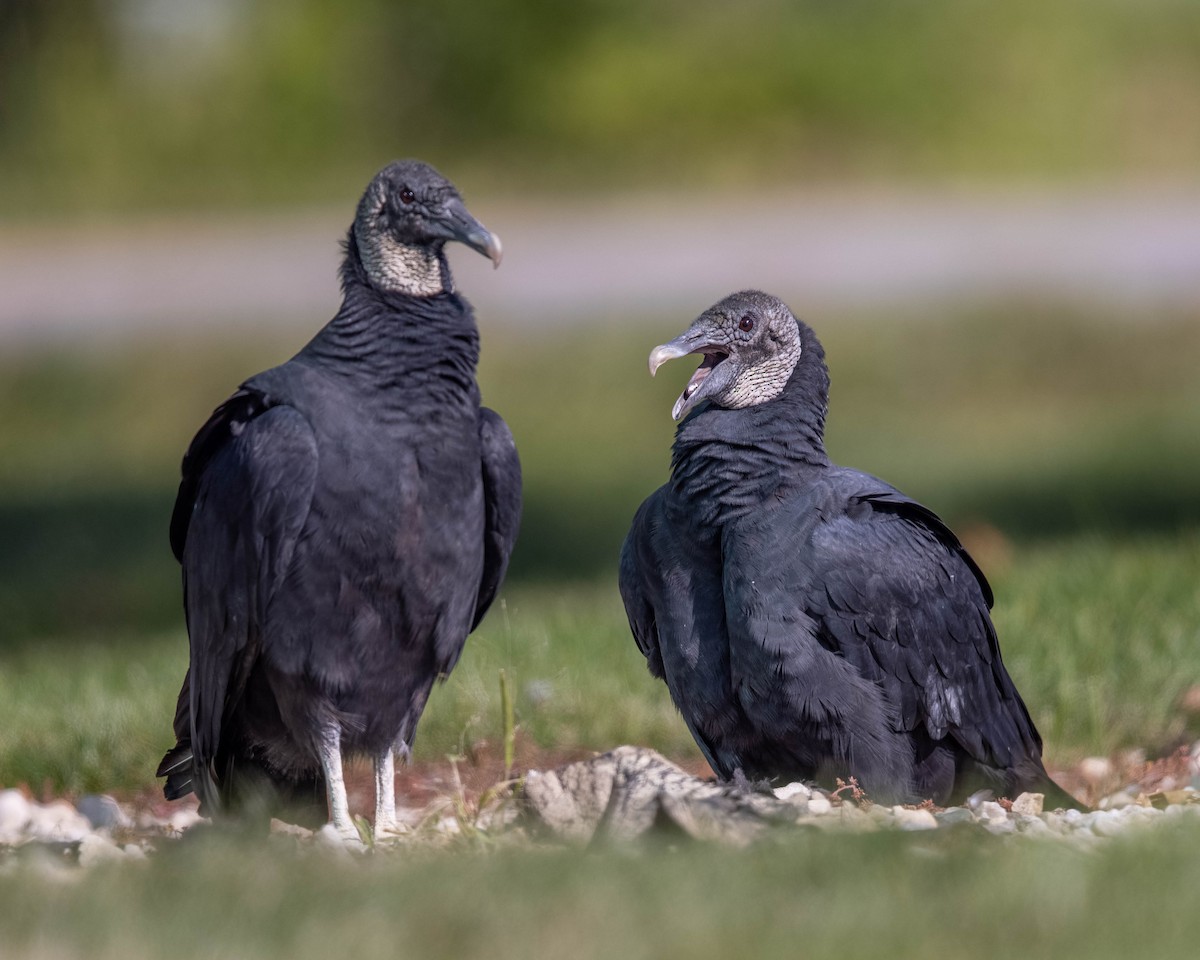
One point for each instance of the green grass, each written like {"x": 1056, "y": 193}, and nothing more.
{"x": 952, "y": 895}
{"x": 1101, "y": 636}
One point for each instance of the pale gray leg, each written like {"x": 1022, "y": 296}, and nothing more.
{"x": 385, "y": 796}
{"x": 330, "y": 749}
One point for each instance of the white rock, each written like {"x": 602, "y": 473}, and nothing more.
{"x": 880, "y": 815}
{"x": 819, "y": 805}
{"x": 1110, "y": 824}
{"x": 102, "y": 811}
{"x": 955, "y": 815}
{"x": 1000, "y": 826}
{"x": 290, "y": 829}
{"x": 991, "y": 810}
{"x": 97, "y": 848}
{"x": 14, "y": 815}
{"x": 791, "y": 791}
{"x": 57, "y": 821}
{"x": 1121, "y": 799}
{"x": 1030, "y": 825}
{"x": 907, "y": 819}
{"x": 1083, "y": 837}
{"x": 1095, "y": 769}
{"x": 1029, "y": 804}
{"x": 853, "y": 818}
{"x": 184, "y": 819}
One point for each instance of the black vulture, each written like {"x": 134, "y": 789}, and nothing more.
{"x": 811, "y": 621}
{"x": 344, "y": 520}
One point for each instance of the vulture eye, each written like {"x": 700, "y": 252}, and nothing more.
{"x": 746, "y": 324}
{"x": 407, "y": 196}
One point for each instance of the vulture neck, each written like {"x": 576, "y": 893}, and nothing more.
{"x": 409, "y": 349}
{"x": 726, "y": 463}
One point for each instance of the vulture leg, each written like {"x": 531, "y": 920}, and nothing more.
{"x": 385, "y": 796}
{"x": 330, "y": 749}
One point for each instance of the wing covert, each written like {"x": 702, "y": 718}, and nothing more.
{"x": 501, "y": 505}
{"x": 637, "y": 563}
{"x": 899, "y": 598}
{"x": 250, "y": 499}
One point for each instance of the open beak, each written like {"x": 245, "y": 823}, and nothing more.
{"x": 691, "y": 342}
{"x": 466, "y": 229}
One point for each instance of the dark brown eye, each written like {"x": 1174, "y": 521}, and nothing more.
{"x": 746, "y": 324}
{"x": 407, "y": 196}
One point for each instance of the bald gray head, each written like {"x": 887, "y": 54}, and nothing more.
{"x": 750, "y": 342}
{"x": 407, "y": 214}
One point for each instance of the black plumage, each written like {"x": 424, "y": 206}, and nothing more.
{"x": 811, "y": 621}
{"x": 344, "y": 520}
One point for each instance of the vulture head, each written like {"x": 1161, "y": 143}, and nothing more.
{"x": 750, "y": 343}
{"x": 407, "y": 214}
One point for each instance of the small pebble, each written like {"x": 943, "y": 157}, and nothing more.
{"x": 880, "y": 815}
{"x": 1029, "y": 804}
{"x": 991, "y": 810}
{"x": 57, "y": 821}
{"x": 907, "y": 819}
{"x": 854, "y": 818}
{"x": 1114, "y": 800}
{"x": 791, "y": 791}
{"x": 102, "y": 812}
{"x": 97, "y": 848}
{"x": 979, "y": 797}
{"x": 14, "y": 815}
{"x": 954, "y": 815}
{"x": 290, "y": 829}
{"x": 1110, "y": 825}
{"x": 819, "y": 805}
{"x": 184, "y": 819}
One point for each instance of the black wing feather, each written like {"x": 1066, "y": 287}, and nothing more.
{"x": 226, "y": 421}
{"x": 250, "y": 498}
{"x": 637, "y": 562}
{"x": 905, "y": 603}
{"x": 501, "y": 504}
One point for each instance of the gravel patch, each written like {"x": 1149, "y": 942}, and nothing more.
{"x": 621, "y": 796}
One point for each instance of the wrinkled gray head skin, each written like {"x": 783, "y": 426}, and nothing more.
{"x": 407, "y": 214}
{"x": 750, "y": 342}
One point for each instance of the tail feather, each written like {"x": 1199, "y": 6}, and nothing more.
{"x": 176, "y": 766}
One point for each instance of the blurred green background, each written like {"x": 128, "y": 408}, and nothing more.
{"x": 1057, "y": 428}
{"x": 132, "y": 104}
{"x": 989, "y": 211}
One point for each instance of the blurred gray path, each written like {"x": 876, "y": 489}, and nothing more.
{"x": 632, "y": 256}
